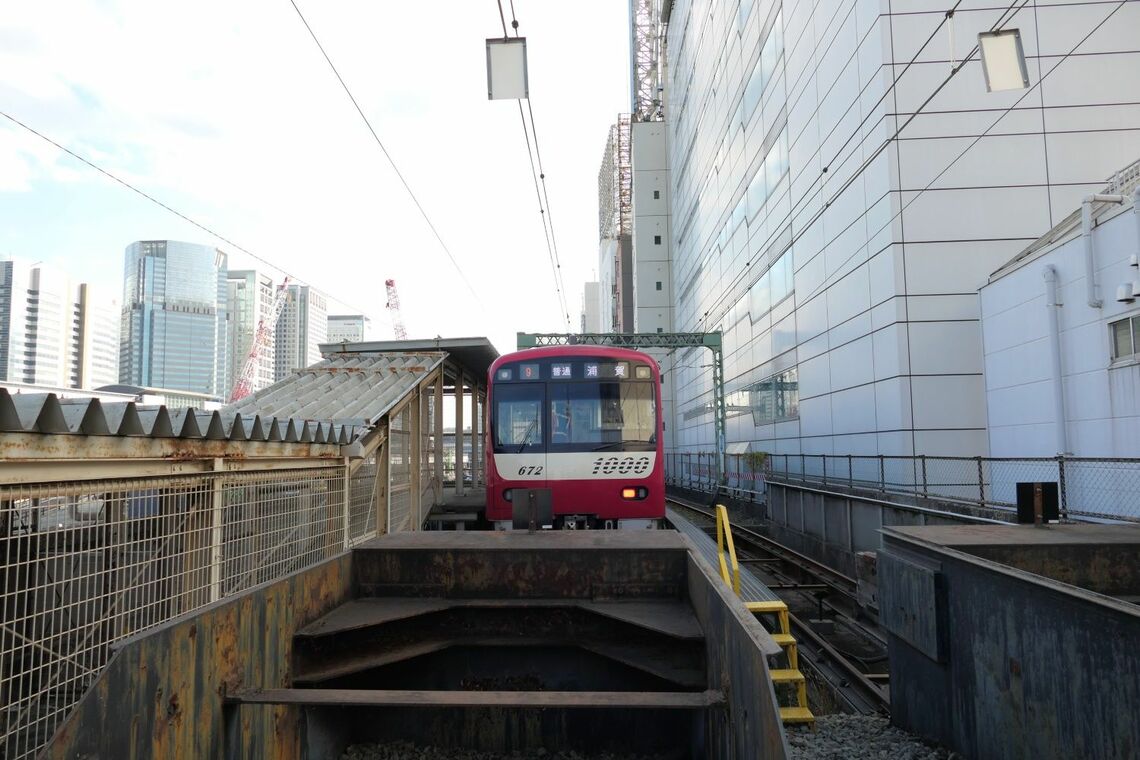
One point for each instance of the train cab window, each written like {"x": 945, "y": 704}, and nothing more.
{"x": 517, "y": 420}
{"x": 584, "y": 416}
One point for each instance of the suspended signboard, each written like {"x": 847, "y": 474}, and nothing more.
{"x": 506, "y": 68}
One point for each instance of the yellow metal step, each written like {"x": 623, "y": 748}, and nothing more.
{"x": 762, "y": 607}
{"x": 786, "y": 675}
{"x": 796, "y": 715}
{"x": 784, "y": 639}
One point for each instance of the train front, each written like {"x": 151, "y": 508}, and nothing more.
{"x": 580, "y": 427}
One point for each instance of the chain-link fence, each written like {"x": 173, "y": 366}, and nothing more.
{"x": 1086, "y": 488}
{"x": 86, "y": 564}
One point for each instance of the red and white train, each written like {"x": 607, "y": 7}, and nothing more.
{"x": 582, "y": 423}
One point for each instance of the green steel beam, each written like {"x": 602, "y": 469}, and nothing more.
{"x": 709, "y": 340}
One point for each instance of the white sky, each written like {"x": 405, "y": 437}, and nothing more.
{"x": 226, "y": 111}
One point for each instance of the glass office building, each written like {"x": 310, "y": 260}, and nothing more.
{"x": 174, "y": 317}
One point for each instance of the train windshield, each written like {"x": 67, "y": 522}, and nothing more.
{"x": 619, "y": 415}
{"x": 518, "y": 418}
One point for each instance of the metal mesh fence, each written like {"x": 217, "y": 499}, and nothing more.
{"x": 1086, "y": 488}
{"x": 87, "y": 564}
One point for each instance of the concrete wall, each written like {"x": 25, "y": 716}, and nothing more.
{"x": 832, "y": 527}
{"x": 997, "y": 663}
{"x": 161, "y": 694}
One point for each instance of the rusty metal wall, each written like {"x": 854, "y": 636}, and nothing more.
{"x": 161, "y": 694}
{"x": 1025, "y": 667}
{"x": 737, "y": 647}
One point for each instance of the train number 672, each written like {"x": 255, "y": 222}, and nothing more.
{"x": 531, "y": 470}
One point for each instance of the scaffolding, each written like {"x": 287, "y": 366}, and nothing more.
{"x": 646, "y": 48}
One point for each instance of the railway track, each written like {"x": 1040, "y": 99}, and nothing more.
{"x": 850, "y": 658}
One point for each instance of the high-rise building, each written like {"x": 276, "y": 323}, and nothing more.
{"x": 347, "y": 328}
{"x": 840, "y": 190}
{"x": 54, "y": 333}
{"x": 301, "y": 330}
{"x": 615, "y": 230}
{"x": 174, "y": 317}
{"x": 249, "y": 300}
{"x": 592, "y": 307}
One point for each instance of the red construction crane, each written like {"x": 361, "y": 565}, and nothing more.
{"x": 266, "y": 326}
{"x": 393, "y": 306}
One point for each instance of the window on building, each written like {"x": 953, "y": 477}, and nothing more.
{"x": 1125, "y": 335}
{"x": 656, "y": 240}
{"x": 659, "y": 284}
{"x": 656, "y": 195}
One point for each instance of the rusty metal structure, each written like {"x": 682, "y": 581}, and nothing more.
{"x": 646, "y": 52}
{"x": 116, "y": 518}
{"x": 614, "y": 641}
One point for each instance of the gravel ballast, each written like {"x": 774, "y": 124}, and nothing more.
{"x": 859, "y": 736}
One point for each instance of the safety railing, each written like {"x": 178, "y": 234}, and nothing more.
{"x": 1086, "y": 487}
{"x": 88, "y": 563}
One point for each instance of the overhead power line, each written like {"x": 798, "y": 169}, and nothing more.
{"x": 387, "y": 155}
{"x": 539, "y": 177}
{"x": 162, "y": 204}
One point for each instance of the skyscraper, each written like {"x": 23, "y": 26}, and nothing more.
{"x": 53, "y": 332}
{"x": 173, "y": 332}
{"x": 249, "y": 298}
{"x": 302, "y": 328}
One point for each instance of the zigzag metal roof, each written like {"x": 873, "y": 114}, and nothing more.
{"x": 354, "y": 390}
{"x": 47, "y": 413}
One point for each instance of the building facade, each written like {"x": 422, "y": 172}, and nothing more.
{"x": 615, "y": 230}
{"x": 249, "y": 300}
{"x": 173, "y": 323}
{"x": 347, "y": 328}
{"x": 1062, "y": 356}
{"x": 301, "y": 329}
{"x": 840, "y": 190}
{"x": 54, "y": 332}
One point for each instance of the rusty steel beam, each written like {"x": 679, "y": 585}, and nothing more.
{"x": 654, "y": 700}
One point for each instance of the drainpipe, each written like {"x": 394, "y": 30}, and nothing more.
{"x": 1053, "y": 304}
{"x": 1136, "y": 213}
{"x": 1086, "y": 235}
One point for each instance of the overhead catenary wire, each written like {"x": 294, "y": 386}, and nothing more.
{"x": 387, "y": 155}
{"x": 167, "y": 207}
{"x": 539, "y": 177}
{"x": 1007, "y": 15}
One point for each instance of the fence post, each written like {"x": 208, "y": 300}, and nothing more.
{"x": 823, "y": 459}
{"x": 925, "y": 491}
{"x": 347, "y": 503}
{"x": 882, "y": 474}
{"x": 981, "y": 483}
{"x": 1061, "y": 486}
{"x": 850, "y": 473}
{"x": 217, "y": 532}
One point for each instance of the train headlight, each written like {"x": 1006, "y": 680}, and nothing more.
{"x": 634, "y": 494}
{"x": 642, "y": 373}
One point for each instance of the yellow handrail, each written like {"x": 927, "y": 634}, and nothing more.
{"x": 724, "y": 536}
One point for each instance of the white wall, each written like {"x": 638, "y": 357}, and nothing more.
{"x": 1102, "y": 397}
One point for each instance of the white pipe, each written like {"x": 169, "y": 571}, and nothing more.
{"x": 1136, "y": 213}
{"x": 1052, "y": 303}
{"x": 1086, "y": 235}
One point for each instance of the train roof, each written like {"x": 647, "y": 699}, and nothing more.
{"x": 548, "y": 352}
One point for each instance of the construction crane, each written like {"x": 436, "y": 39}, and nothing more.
{"x": 266, "y": 326}
{"x": 393, "y": 306}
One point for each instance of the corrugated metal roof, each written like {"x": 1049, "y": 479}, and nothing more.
{"x": 47, "y": 413}
{"x": 349, "y": 389}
